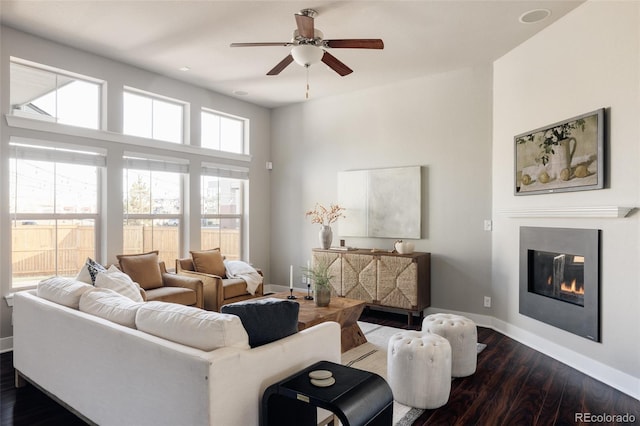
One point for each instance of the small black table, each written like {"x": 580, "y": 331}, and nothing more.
{"x": 358, "y": 398}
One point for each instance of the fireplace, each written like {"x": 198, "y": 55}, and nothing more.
{"x": 559, "y": 278}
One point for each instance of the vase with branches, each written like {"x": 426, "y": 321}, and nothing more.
{"x": 325, "y": 217}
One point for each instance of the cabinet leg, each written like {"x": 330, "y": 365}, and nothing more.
{"x": 19, "y": 381}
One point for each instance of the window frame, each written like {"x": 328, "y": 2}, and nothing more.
{"x": 56, "y": 73}
{"x": 244, "y": 122}
{"x": 239, "y": 174}
{"x": 56, "y": 154}
{"x": 150, "y": 164}
{"x": 155, "y": 97}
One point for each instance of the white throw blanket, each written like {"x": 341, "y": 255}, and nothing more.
{"x": 240, "y": 269}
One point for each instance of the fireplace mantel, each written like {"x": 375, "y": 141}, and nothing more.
{"x": 576, "y": 212}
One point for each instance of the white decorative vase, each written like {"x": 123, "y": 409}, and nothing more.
{"x": 404, "y": 247}
{"x": 326, "y": 236}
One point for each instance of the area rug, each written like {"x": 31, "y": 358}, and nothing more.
{"x": 372, "y": 356}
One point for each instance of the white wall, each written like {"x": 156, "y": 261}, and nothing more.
{"x": 442, "y": 123}
{"x": 117, "y": 75}
{"x": 587, "y": 60}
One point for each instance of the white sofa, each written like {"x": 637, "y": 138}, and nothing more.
{"x": 111, "y": 374}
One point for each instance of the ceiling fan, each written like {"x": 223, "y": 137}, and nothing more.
{"x": 309, "y": 46}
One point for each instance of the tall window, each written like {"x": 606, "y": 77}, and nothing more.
{"x": 153, "y": 207}
{"x": 222, "y": 132}
{"x": 54, "y": 96}
{"x": 223, "y": 193}
{"x": 54, "y": 197}
{"x": 153, "y": 117}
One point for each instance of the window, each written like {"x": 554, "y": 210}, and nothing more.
{"x": 223, "y": 192}
{"x": 222, "y": 132}
{"x": 152, "y": 117}
{"x": 54, "y": 195}
{"x": 54, "y": 96}
{"x": 153, "y": 207}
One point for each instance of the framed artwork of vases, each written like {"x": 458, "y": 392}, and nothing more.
{"x": 561, "y": 157}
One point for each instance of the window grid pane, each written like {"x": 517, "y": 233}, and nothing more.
{"x": 153, "y": 208}
{"x": 221, "y": 207}
{"x": 138, "y": 118}
{"x": 51, "y": 96}
{"x": 54, "y": 215}
{"x": 145, "y": 235}
{"x": 153, "y": 118}
{"x": 44, "y": 248}
{"x": 222, "y": 132}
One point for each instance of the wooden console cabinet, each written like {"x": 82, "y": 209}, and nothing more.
{"x": 393, "y": 280}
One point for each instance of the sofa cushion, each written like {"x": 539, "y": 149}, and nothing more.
{"x": 191, "y": 326}
{"x": 118, "y": 281}
{"x": 64, "y": 291}
{"x": 142, "y": 268}
{"x": 111, "y": 305}
{"x": 180, "y": 295}
{"x": 266, "y": 320}
{"x": 89, "y": 271}
{"x": 208, "y": 262}
{"x": 234, "y": 287}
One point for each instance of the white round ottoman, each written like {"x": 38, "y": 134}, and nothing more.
{"x": 462, "y": 335}
{"x": 419, "y": 369}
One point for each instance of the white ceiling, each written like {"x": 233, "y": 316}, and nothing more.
{"x": 420, "y": 38}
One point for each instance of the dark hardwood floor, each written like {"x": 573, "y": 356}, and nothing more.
{"x": 513, "y": 385}
{"x": 516, "y": 385}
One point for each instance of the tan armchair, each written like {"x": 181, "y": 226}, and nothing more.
{"x": 158, "y": 284}
{"x": 218, "y": 290}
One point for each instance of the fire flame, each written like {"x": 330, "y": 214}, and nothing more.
{"x": 571, "y": 288}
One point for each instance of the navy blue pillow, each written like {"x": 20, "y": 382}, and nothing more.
{"x": 266, "y": 320}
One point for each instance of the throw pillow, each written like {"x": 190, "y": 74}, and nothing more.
{"x": 208, "y": 262}
{"x": 266, "y": 320}
{"x": 63, "y": 291}
{"x": 118, "y": 281}
{"x": 110, "y": 305}
{"x": 142, "y": 268}
{"x": 89, "y": 271}
{"x": 204, "y": 330}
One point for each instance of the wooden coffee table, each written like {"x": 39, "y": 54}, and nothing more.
{"x": 342, "y": 310}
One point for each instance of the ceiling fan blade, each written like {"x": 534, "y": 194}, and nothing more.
{"x": 281, "y": 65}
{"x": 305, "y": 25}
{"x": 335, "y": 64}
{"x": 283, "y": 43}
{"x": 356, "y": 43}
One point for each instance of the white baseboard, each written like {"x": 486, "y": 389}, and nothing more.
{"x": 615, "y": 378}
{"x": 599, "y": 371}
{"x": 6, "y": 344}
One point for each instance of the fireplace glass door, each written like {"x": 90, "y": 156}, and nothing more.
{"x": 557, "y": 275}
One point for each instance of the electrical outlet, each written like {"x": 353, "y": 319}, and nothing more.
{"x": 488, "y": 225}
{"x": 487, "y": 302}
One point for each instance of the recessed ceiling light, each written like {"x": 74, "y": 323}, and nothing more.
{"x": 240, "y": 93}
{"x": 184, "y": 68}
{"x": 533, "y": 16}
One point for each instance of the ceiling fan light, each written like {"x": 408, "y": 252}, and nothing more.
{"x": 306, "y": 54}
